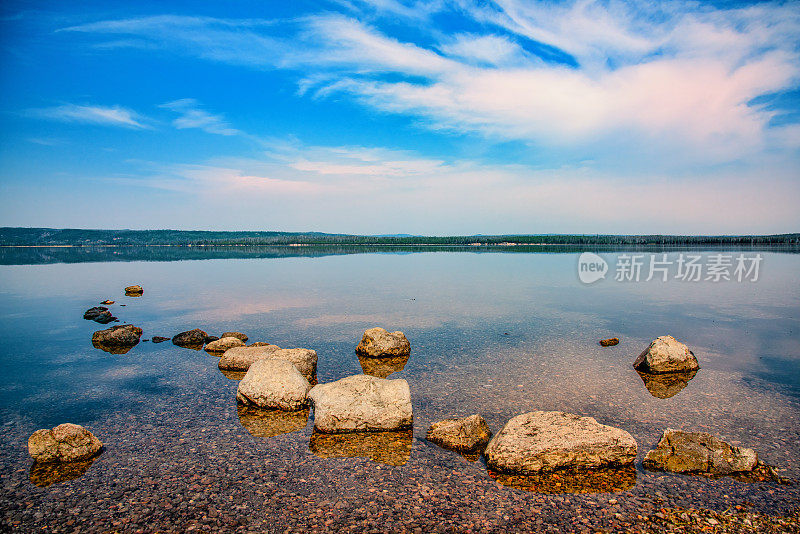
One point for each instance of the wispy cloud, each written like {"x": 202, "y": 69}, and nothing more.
{"x": 101, "y": 115}
{"x": 670, "y": 78}
{"x": 192, "y": 116}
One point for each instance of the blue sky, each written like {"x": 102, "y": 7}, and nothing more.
{"x": 389, "y": 116}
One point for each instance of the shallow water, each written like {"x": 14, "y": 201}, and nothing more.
{"x": 492, "y": 333}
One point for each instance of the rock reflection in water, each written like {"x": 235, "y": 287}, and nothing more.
{"x": 664, "y": 386}
{"x": 233, "y": 375}
{"x": 113, "y": 349}
{"x": 382, "y": 367}
{"x": 391, "y": 448}
{"x": 270, "y": 423}
{"x": 46, "y": 474}
{"x": 606, "y": 480}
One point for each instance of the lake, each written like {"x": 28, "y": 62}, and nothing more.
{"x": 496, "y": 332}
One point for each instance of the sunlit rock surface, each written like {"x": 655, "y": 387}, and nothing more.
{"x": 666, "y": 355}
{"x": 274, "y": 384}
{"x": 699, "y": 452}
{"x": 378, "y": 343}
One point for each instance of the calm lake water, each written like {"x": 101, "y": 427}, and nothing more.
{"x": 495, "y": 333}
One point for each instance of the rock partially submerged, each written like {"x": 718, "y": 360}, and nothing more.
{"x": 224, "y": 343}
{"x": 65, "y": 443}
{"x": 159, "y": 339}
{"x": 362, "y": 403}
{"x": 237, "y": 335}
{"x": 107, "y": 302}
{"x": 190, "y": 338}
{"x": 464, "y": 435}
{"x": 378, "y": 343}
{"x": 134, "y": 291}
{"x": 610, "y": 342}
{"x": 274, "y": 384}
{"x": 666, "y": 385}
{"x": 699, "y": 452}
{"x": 666, "y": 355}
{"x": 125, "y": 335}
{"x": 539, "y": 441}
{"x": 99, "y": 314}
{"x": 241, "y": 358}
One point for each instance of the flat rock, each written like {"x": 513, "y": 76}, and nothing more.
{"x": 666, "y": 355}
{"x": 699, "y": 452}
{"x": 540, "y": 441}
{"x": 224, "y": 343}
{"x": 274, "y": 384}
{"x": 123, "y": 335}
{"x": 237, "y": 335}
{"x": 159, "y": 339}
{"x": 362, "y": 403}
{"x": 465, "y": 435}
{"x": 190, "y": 338}
{"x": 241, "y": 358}
{"x": 378, "y": 343}
{"x": 65, "y": 443}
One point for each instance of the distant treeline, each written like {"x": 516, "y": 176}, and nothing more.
{"x": 93, "y": 238}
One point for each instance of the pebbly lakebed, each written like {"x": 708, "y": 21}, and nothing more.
{"x": 493, "y": 332}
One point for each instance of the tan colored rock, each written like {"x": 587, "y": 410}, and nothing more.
{"x": 666, "y": 355}
{"x": 134, "y": 291}
{"x": 304, "y": 359}
{"x": 259, "y": 344}
{"x": 64, "y": 443}
{"x": 222, "y": 344}
{"x": 241, "y": 358}
{"x": 699, "y": 452}
{"x": 465, "y": 435}
{"x": 274, "y": 384}
{"x": 378, "y": 343}
{"x": 237, "y": 335}
{"x": 362, "y": 403}
{"x": 546, "y": 441}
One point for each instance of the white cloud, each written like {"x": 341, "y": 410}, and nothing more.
{"x": 106, "y": 116}
{"x": 191, "y": 116}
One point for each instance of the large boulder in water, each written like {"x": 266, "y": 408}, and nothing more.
{"x": 125, "y": 335}
{"x": 698, "y": 452}
{"x": 241, "y": 358}
{"x": 304, "y": 359}
{"x": 666, "y": 355}
{"x": 378, "y": 343}
{"x": 465, "y": 435}
{"x": 274, "y": 384}
{"x": 222, "y": 344}
{"x": 539, "y": 441}
{"x": 192, "y": 338}
{"x": 362, "y": 403}
{"x": 64, "y": 443}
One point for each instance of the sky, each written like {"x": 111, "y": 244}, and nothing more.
{"x": 437, "y": 117}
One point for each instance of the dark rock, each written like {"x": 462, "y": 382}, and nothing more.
{"x": 123, "y": 335}
{"x": 209, "y": 339}
{"x": 191, "y": 338}
{"x": 99, "y": 314}
{"x": 610, "y": 342}
{"x": 160, "y": 339}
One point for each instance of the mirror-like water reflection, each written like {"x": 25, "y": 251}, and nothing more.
{"x": 607, "y": 480}
{"x": 391, "y": 448}
{"x": 269, "y": 423}
{"x": 382, "y": 367}
{"x": 664, "y": 386}
{"x": 47, "y": 474}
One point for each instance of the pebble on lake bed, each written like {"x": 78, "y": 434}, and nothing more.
{"x": 65, "y": 443}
